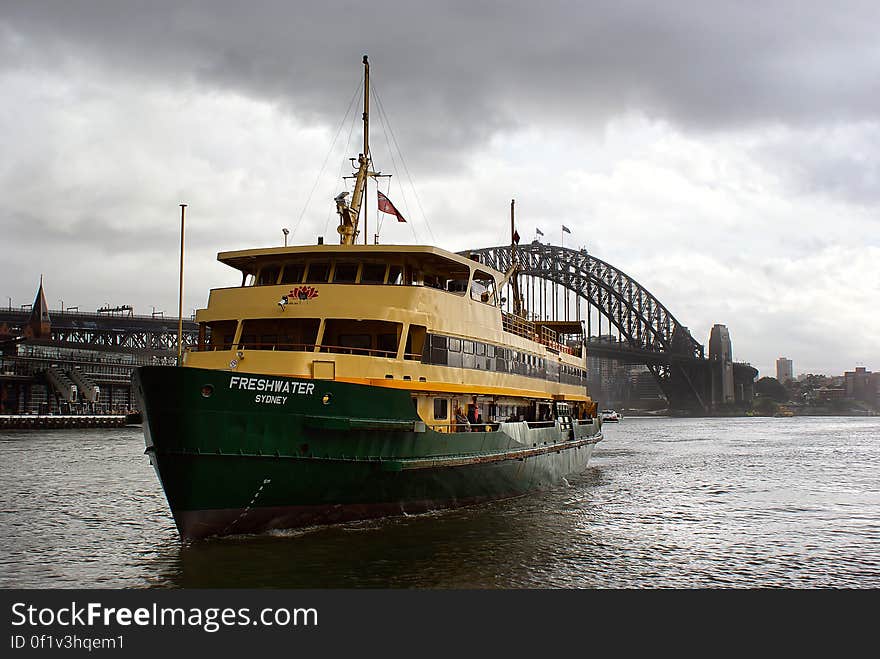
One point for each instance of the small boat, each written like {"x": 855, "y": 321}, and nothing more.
{"x": 349, "y": 381}
{"x": 609, "y": 416}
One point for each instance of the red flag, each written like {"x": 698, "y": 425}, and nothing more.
{"x": 516, "y": 236}
{"x": 385, "y": 206}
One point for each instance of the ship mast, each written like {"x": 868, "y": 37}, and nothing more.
{"x": 510, "y": 277}
{"x": 518, "y": 307}
{"x": 350, "y": 212}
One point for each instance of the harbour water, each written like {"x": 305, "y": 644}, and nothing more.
{"x": 680, "y": 503}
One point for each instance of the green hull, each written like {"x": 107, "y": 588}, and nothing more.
{"x": 244, "y": 453}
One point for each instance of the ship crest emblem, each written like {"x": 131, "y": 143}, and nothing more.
{"x": 302, "y": 294}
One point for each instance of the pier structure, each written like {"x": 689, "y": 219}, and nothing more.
{"x": 72, "y": 363}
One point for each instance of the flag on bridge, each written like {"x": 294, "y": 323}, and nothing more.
{"x": 565, "y": 229}
{"x": 539, "y": 232}
{"x": 385, "y": 206}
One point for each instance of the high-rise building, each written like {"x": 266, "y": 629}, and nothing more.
{"x": 783, "y": 370}
{"x": 721, "y": 352}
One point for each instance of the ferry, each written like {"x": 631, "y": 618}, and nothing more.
{"x": 349, "y": 381}
{"x": 609, "y": 416}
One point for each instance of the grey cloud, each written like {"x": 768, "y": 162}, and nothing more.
{"x": 842, "y": 162}
{"x": 465, "y": 70}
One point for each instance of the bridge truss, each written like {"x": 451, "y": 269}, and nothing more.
{"x": 559, "y": 283}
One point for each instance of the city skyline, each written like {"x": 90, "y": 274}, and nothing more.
{"x": 727, "y": 164}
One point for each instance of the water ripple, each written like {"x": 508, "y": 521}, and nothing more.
{"x": 665, "y": 503}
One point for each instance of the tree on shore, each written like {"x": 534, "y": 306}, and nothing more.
{"x": 764, "y": 406}
{"x": 772, "y": 388}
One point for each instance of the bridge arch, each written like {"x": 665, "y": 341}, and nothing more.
{"x": 648, "y": 333}
{"x": 642, "y": 321}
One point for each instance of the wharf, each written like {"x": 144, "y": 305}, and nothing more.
{"x": 49, "y": 421}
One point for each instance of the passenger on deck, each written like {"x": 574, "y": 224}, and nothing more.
{"x": 461, "y": 421}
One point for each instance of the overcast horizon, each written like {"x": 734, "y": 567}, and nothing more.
{"x": 725, "y": 155}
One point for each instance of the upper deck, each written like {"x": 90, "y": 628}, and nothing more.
{"x": 386, "y": 309}
{"x": 441, "y": 290}
{"x": 419, "y": 260}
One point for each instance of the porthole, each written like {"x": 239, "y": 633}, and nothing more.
{"x": 207, "y": 391}
{"x": 326, "y": 398}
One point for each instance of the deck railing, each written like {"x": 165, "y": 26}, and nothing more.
{"x": 319, "y": 348}
{"x": 529, "y": 330}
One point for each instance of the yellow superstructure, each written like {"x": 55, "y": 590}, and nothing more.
{"x": 378, "y": 315}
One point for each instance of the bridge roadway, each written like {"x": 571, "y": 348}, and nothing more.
{"x": 704, "y": 374}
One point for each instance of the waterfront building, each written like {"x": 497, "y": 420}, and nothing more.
{"x": 783, "y": 370}
{"x": 861, "y": 384}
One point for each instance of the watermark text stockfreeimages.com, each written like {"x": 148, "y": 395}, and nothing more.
{"x": 209, "y": 619}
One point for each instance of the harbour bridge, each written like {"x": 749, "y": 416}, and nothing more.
{"x": 569, "y": 285}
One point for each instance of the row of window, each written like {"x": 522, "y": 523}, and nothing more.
{"x": 462, "y": 353}
{"x": 318, "y": 272}
{"x": 339, "y": 272}
{"x": 382, "y": 338}
{"x": 493, "y": 412}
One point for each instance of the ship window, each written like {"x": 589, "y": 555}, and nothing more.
{"x": 293, "y": 273}
{"x": 222, "y": 332}
{"x": 373, "y": 273}
{"x": 361, "y": 337}
{"x": 433, "y": 281}
{"x": 298, "y": 333}
{"x": 468, "y": 360}
{"x": 454, "y": 345}
{"x": 318, "y": 273}
{"x": 481, "y": 348}
{"x": 359, "y": 343}
{"x": 279, "y": 334}
{"x": 441, "y": 409}
{"x": 268, "y": 276}
{"x": 395, "y": 273}
{"x": 467, "y": 347}
{"x": 416, "y": 346}
{"x": 437, "y": 353}
{"x": 458, "y": 286}
{"x": 345, "y": 273}
{"x": 483, "y": 287}
{"x": 387, "y": 343}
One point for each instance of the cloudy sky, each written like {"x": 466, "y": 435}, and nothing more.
{"x": 724, "y": 154}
